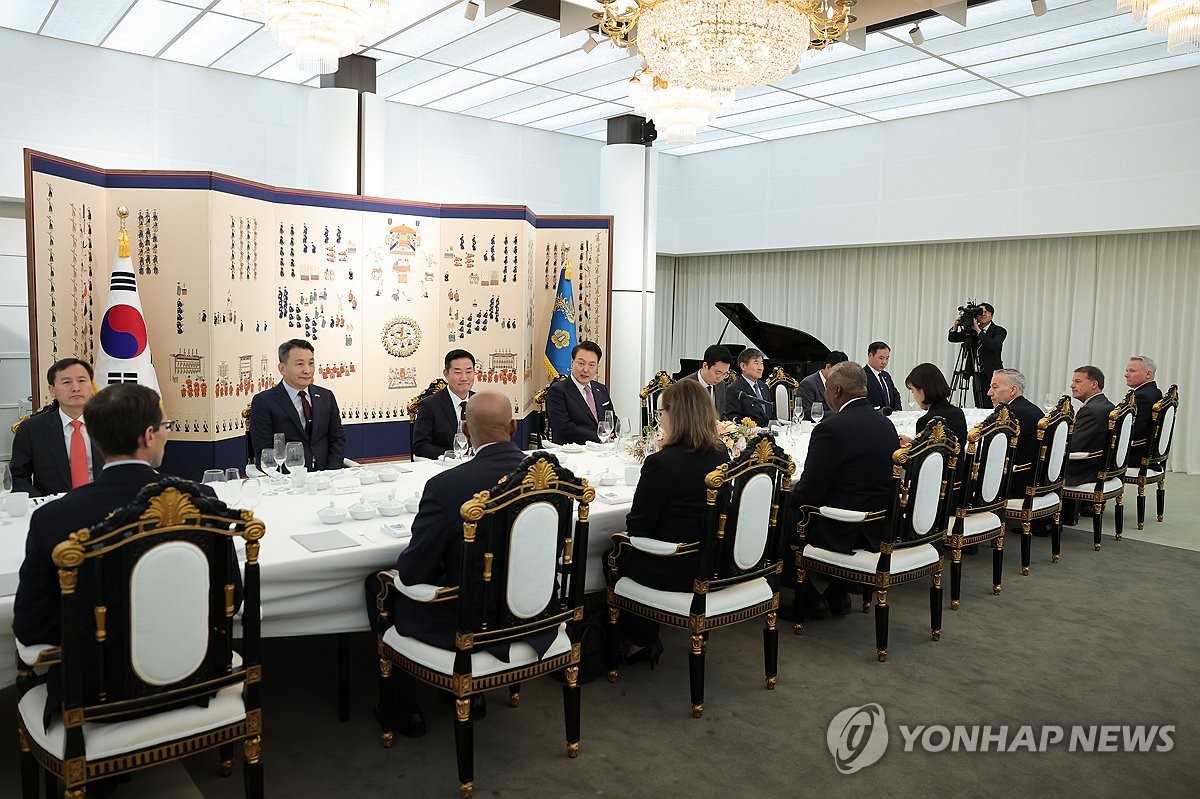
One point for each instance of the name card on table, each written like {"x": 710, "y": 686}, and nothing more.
{"x": 345, "y": 485}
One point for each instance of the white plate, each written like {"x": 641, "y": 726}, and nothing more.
{"x": 571, "y": 448}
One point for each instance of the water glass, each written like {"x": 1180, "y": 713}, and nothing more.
{"x": 460, "y": 446}
{"x": 293, "y": 455}
{"x": 231, "y": 492}
{"x": 279, "y": 450}
{"x": 818, "y": 412}
{"x": 232, "y": 475}
{"x": 268, "y": 464}
{"x": 251, "y": 494}
{"x": 5, "y": 487}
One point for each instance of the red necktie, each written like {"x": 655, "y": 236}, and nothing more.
{"x": 304, "y": 404}
{"x": 79, "y": 467}
{"x": 591, "y": 401}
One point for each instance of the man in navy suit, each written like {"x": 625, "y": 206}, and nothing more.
{"x": 881, "y": 389}
{"x": 812, "y": 388}
{"x": 52, "y": 451}
{"x": 1139, "y": 375}
{"x": 1008, "y": 385}
{"x": 300, "y": 410}
{"x": 849, "y": 466}
{"x": 434, "y": 553}
{"x": 576, "y": 405}
{"x": 440, "y": 417}
{"x": 126, "y": 423}
{"x": 749, "y": 397}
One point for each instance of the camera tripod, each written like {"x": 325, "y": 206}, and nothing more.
{"x": 964, "y": 373}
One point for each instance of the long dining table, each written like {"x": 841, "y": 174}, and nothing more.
{"x": 321, "y": 593}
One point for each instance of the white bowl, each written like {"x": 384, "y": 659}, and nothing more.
{"x": 332, "y": 515}
{"x": 362, "y": 511}
{"x": 390, "y": 507}
{"x": 388, "y": 475}
{"x": 368, "y": 477}
{"x": 608, "y": 479}
{"x": 572, "y": 448}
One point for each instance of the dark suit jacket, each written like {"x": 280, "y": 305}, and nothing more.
{"x": 987, "y": 351}
{"x": 668, "y": 505}
{"x": 812, "y": 389}
{"x": 741, "y": 402}
{"x": 571, "y": 421}
{"x": 719, "y": 392}
{"x": 434, "y": 553}
{"x": 40, "y": 462}
{"x": 272, "y": 412}
{"x": 956, "y": 422}
{"x": 875, "y": 394}
{"x": 1088, "y": 435}
{"x": 1144, "y": 395}
{"x": 436, "y": 425}
{"x": 849, "y": 465}
{"x": 1028, "y": 415}
{"x": 36, "y": 608}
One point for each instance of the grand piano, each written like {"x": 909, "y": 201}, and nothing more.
{"x": 799, "y": 353}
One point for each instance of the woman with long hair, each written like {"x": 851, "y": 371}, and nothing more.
{"x": 668, "y": 505}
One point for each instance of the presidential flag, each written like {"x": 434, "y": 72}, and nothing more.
{"x": 561, "y": 339}
{"x": 124, "y": 351}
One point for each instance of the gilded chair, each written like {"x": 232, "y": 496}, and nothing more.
{"x": 1109, "y": 483}
{"x": 916, "y": 520}
{"x": 524, "y": 564}
{"x": 146, "y": 659}
{"x": 414, "y": 406}
{"x": 1043, "y": 496}
{"x": 49, "y": 406}
{"x": 1152, "y": 469}
{"x": 251, "y": 455}
{"x": 541, "y": 429}
{"x": 783, "y": 388}
{"x": 740, "y": 561}
{"x": 650, "y": 395}
{"x": 979, "y": 508}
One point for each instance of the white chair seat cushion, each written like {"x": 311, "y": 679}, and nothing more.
{"x": 1112, "y": 484}
{"x": 720, "y": 601}
{"x": 115, "y": 738}
{"x": 1151, "y": 471}
{"x": 903, "y": 560}
{"x": 977, "y": 523}
{"x": 1039, "y": 503}
{"x": 482, "y": 663}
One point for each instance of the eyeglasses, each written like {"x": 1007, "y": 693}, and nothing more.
{"x": 170, "y": 424}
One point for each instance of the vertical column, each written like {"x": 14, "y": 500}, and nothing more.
{"x": 629, "y": 192}
{"x": 345, "y": 143}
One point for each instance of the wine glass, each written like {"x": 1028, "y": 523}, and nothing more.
{"x": 268, "y": 465}
{"x": 1049, "y": 401}
{"x": 231, "y": 491}
{"x": 818, "y": 412}
{"x": 611, "y": 418}
{"x": 5, "y": 488}
{"x": 604, "y": 431}
{"x": 279, "y": 451}
{"x": 293, "y": 455}
{"x": 460, "y": 446}
{"x": 251, "y": 494}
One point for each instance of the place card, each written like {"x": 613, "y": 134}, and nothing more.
{"x": 325, "y": 541}
{"x": 345, "y": 485}
{"x": 395, "y": 529}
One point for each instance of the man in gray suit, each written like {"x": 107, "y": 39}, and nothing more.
{"x": 713, "y": 371}
{"x": 1089, "y": 433}
{"x": 812, "y": 388}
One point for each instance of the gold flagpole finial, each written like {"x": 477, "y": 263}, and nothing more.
{"x": 123, "y": 236}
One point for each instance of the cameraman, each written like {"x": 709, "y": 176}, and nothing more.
{"x": 985, "y": 340}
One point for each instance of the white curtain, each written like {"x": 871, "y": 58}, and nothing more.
{"x": 1066, "y": 302}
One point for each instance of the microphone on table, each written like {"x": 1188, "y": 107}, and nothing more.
{"x": 743, "y": 395}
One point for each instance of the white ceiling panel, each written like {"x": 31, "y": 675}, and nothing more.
{"x": 733, "y": 119}
{"x": 85, "y": 21}
{"x": 440, "y": 87}
{"x": 385, "y": 61}
{"x": 24, "y": 15}
{"x": 1093, "y": 66}
{"x": 504, "y": 35}
{"x": 875, "y": 77}
{"x": 478, "y": 95}
{"x": 253, "y": 55}
{"x": 936, "y": 94}
{"x": 871, "y": 61}
{"x": 438, "y": 31}
{"x": 535, "y": 51}
{"x": 287, "y": 71}
{"x": 1018, "y": 26}
{"x": 715, "y": 144}
{"x": 599, "y": 111}
{"x": 570, "y": 64}
{"x": 408, "y": 75}
{"x": 1059, "y": 37}
{"x": 1108, "y": 75}
{"x": 515, "y": 102}
{"x": 562, "y": 105}
{"x": 1073, "y": 52}
{"x": 900, "y": 87}
{"x": 792, "y": 120}
{"x": 615, "y": 71}
{"x": 837, "y": 123}
{"x": 595, "y": 126}
{"x": 949, "y": 104}
{"x": 212, "y": 36}
{"x": 616, "y": 91}
{"x": 149, "y": 27}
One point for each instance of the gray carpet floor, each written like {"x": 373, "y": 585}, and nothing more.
{"x": 1103, "y": 638}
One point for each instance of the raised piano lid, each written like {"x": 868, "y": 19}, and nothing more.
{"x": 779, "y": 343}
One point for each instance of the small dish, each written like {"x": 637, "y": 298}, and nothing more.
{"x": 319, "y": 483}
{"x": 362, "y": 511}
{"x": 608, "y": 479}
{"x": 332, "y": 514}
{"x": 388, "y": 475}
{"x": 390, "y": 507}
{"x": 368, "y": 477}
{"x": 412, "y": 505}
{"x": 572, "y": 448}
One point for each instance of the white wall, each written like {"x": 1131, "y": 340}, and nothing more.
{"x": 14, "y": 322}
{"x": 1115, "y": 157}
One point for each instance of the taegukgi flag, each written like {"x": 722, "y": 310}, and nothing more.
{"x": 124, "y": 346}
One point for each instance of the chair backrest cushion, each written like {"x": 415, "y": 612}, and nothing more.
{"x": 753, "y": 521}
{"x": 1168, "y": 427}
{"x": 783, "y": 403}
{"x": 168, "y": 612}
{"x": 995, "y": 448}
{"x": 929, "y": 487}
{"x": 1124, "y": 431}
{"x": 1058, "y": 451}
{"x": 532, "y": 560}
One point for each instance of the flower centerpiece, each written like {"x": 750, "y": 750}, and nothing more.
{"x": 737, "y": 434}
{"x": 650, "y": 441}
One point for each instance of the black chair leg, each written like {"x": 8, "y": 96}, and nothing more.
{"x": 253, "y": 769}
{"x": 881, "y": 624}
{"x": 955, "y": 578}
{"x": 464, "y": 746}
{"x": 514, "y": 694}
{"x": 1097, "y": 523}
{"x": 29, "y": 771}
{"x": 1119, "y": 516}
{"x": 225, "y": 753}
{"x": 1161, "y": 496}
{"x": 696, "y": 673}
{"x": 798, "y": 603}
{"x": 1026, "y": 547}
{"x": 997, "y": 564}
{"x": 935, "y": 607}
{"x": 614, "y": 644}
{"x": 1141, "y": 507}
{"x": 1056, "y": 539}
{"x": 387, "y": 703}
{"x": 343, "y": 669}
{"x": 771, "y": 649}
{"x": 571, "y": 707}
{"x": 52, "y": 786}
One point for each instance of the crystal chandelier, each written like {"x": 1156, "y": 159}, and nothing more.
{"x": 722, "y": 45}
{"x": 319, "y": 32}
{"x": 1178, "y": 19}
{"x": 679, "y": 112}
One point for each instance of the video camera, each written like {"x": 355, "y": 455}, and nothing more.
{"x": 969, "y": 312}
